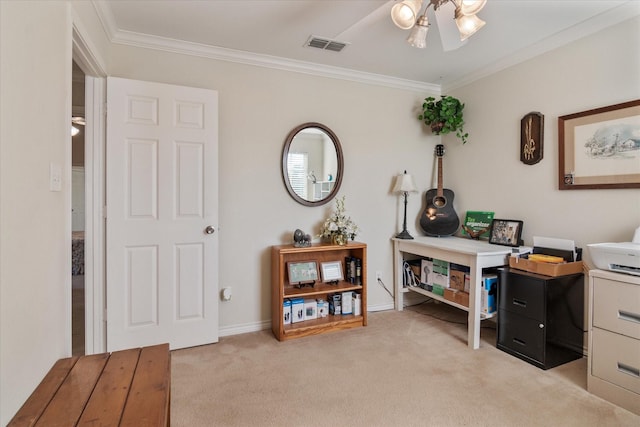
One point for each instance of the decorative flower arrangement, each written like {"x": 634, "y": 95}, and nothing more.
{"x": 339, "y": 227}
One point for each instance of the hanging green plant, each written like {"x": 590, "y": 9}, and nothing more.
{"x": 444, "y": 116}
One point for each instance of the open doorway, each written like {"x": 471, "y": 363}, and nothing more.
{"x": 78, "y": 211}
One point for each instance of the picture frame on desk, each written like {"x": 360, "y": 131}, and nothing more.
{"x": 331, "y": 271}
{"x": 505, "y": 232}
{"x": 302, "y": 273}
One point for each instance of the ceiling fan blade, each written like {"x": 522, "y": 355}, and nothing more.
{"x": 382, "y": 12}
{"x": 449, "y": 34}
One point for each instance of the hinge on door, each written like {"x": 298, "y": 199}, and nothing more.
{"x": 104, "y": 315}
{"x": 104, "y": 212}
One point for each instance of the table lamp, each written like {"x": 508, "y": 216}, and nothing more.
{"x": 404, "y": 185}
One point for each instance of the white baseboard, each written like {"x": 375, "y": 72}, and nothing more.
{"x": 226, "y": 331}
{"x": 380, "y": 307}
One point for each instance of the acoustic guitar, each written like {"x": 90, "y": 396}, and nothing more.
{"x": 439, "y": 218}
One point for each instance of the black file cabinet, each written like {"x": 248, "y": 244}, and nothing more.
{"x": 540, "y": 318}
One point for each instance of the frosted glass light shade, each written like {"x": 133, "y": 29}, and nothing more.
{"x": 418, "y": 36}
{"x": 471, "y": 7}
{"x": 468, "y": 25}
{"x": 404, "y": 14}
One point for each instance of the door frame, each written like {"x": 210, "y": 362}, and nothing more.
{"x": 83, "y": 53}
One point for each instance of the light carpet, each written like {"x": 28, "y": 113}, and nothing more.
{"x": 410, "y": 368}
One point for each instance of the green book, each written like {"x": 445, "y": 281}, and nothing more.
{"x": 476, "y": 221}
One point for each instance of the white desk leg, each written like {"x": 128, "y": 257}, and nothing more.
{"x": 398, "y": 266}
{"x": 475, "y": 283}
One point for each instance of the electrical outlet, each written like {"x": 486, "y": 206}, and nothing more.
{"x": 378, "y": 276}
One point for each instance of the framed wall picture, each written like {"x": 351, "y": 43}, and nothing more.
{"x": 506, "y": 232}
{"x": 600, "y": 148}
{"x": 302, "y": 273}
{"x": 331, "y": 271}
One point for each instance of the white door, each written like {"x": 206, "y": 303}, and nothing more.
{"x": 162, "y": 212}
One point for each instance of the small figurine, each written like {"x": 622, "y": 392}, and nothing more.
{"x": 300, "y": 239}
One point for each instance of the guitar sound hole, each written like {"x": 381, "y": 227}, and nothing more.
{"x": 439, "y": 202}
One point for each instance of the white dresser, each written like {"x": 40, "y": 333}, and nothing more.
{"x": 613, "y": 371}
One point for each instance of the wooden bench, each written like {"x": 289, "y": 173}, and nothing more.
{"x": 124, "y": 388}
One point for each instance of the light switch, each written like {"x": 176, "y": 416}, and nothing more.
{"x": 55, "y": 177}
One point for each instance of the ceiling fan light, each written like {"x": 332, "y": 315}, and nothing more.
{"x": 78, "y": 120}
{"x": 468, "y": 25}
{"x": 471, "y": 7}
{"x": 418, "y": 36}
{"x": 404, "y": 14}
{"x": 74, "y": 130}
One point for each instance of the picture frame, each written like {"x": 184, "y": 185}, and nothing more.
{"x": 505, "y": 232}
{"x": 599, "y": 148}
{"x": 302, "y": 272}
{"x": 331, "y": 271}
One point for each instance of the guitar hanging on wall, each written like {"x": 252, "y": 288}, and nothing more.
{"x": 439, "y": 218}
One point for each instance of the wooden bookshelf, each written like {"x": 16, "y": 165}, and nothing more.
{"x": 281, "y": 289}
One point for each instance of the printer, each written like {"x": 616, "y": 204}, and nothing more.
{"x": 621, "y": 257}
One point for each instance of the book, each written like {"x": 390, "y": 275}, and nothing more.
{"x": 477, "y": 221}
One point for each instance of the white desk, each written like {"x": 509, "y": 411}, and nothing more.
{"x": 476, "y": 254}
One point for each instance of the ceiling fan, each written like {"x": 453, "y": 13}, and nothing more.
{"x": 456, "y": 20}
{"x": 406, "y": 15}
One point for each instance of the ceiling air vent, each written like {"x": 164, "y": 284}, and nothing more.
{"x": 325, "y": 44}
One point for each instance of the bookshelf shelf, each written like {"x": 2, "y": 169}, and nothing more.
{"x": 446, "y": 301}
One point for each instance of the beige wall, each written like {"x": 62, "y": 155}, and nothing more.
{"x": 258, "y": 107}
{"x": 597, "y": 71}
{"x": 34, "y": 222}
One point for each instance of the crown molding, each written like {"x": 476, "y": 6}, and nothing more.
{"x": 106, "y": 18}
{"x": 267, "y": 61}
{"x": 627, "y": 11}
{"x": 241, "y": 57}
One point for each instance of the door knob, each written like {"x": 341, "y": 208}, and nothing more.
{"x": 209, "y": 229}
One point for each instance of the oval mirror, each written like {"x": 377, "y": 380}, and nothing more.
{"x": 312, "y": 164}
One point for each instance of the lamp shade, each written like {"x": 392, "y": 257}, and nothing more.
{"x": 418, "y": 36}
{"x": 468, "y": 25}
{"x": 404, "y": 184}
{"x": 471, "y": 7}
{"x": 405, "y": 13}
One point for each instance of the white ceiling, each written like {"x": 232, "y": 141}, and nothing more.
{"x": 272, "y": 32}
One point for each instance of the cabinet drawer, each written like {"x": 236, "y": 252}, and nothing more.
{"x": 616, "y": 307}
{"x": 616, "y": 359}
{"x": 522, "y": 295}
{"x": 521, "y": 334}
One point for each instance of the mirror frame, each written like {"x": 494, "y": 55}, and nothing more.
{"x": 339, "y": 172}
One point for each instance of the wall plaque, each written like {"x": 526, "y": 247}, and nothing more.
{"x": 531, "y": 138}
